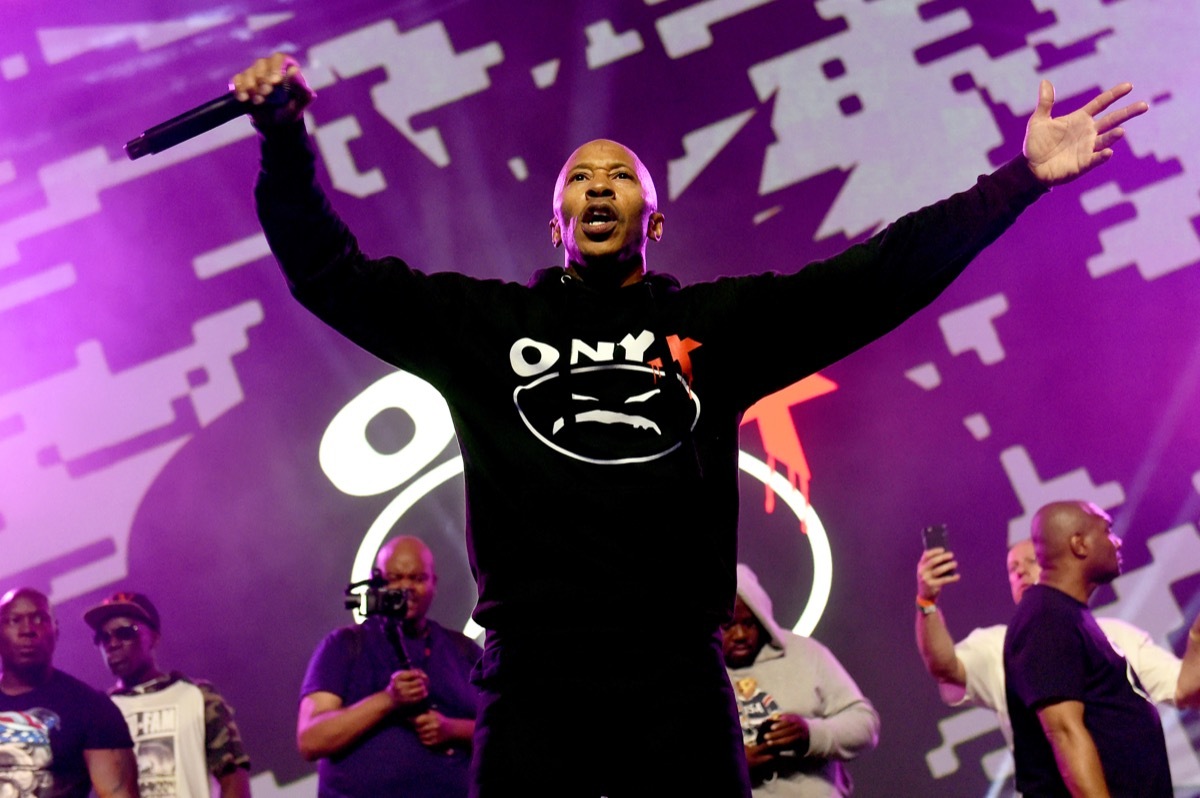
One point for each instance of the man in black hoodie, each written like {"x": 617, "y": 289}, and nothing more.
{"x": 597, "y": 410}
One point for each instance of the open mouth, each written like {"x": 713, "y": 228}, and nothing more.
{"x": 598, "y": 220}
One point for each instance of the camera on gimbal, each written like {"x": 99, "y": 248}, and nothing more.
{"x": 376, "y": 598}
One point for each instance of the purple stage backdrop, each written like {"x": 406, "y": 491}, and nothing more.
{"x": 171, "y": 422}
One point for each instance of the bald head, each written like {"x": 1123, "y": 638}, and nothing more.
{"x": 1052, "y": 528}
{"x": 404, "y": 546}
{"x": 33, "y": 595}
{"x": 613, "y": 149}
{"x": 407, "y": 564}
{"x": 1075, "y": 546}
{"x": 1023, "y": 569}
{"x": 28, "y": 635}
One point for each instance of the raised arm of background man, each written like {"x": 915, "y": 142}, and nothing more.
{"x": 936, "y": 569}
{"x": 113, "y": 772}
{"x": 325, "y": 727}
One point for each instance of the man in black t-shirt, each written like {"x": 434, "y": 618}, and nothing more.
{"x": 1082, "y": 722}
{"x": 58, "y": 736}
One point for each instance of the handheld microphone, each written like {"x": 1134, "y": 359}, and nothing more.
{"x": 200, "y": 119}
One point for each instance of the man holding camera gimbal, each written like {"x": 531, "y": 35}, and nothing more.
{"x": 391, "y": 711}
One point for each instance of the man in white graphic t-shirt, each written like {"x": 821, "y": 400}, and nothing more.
{"x": 187, "y": 743}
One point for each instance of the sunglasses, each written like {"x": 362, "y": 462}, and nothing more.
{"x": 122, "y": 634}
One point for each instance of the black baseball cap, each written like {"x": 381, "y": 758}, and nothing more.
{"x": 125, "y": 604}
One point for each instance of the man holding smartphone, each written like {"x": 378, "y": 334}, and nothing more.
{"x": 971, "y": 672}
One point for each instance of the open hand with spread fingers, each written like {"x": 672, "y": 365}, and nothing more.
{"x": 1060, "y": 149}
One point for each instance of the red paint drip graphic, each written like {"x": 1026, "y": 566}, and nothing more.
{"x": 780, "y": 438}
{"x": 679, "y": 353}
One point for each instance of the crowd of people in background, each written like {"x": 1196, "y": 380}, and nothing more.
{"x": 387, "y": 706}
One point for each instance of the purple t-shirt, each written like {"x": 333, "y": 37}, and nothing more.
{"x": 354, "y": 662}
{"x": 43, "y": 734}
{"x": 1054, "y": 651}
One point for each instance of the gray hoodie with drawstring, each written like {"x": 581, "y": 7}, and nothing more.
{"x": 799, "y": 675}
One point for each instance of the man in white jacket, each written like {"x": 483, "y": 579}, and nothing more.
{"x": 802, "y": 715}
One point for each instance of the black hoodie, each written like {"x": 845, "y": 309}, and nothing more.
{"x": 599, "y": 428}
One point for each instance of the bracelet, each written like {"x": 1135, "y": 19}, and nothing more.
{"x": 925, "y": 606}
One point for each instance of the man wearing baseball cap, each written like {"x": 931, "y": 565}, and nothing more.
{"x": 183, "y": 730}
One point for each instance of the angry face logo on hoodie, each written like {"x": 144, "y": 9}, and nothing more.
{"x": 609, "y": 404}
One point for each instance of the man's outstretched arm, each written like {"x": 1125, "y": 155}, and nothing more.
{"x": 846, "y": 301}
{"x": 304, "y": 233}
{"x": 397, "y": 313}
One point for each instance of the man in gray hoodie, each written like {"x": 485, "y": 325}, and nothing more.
{"x": 802, "y": 715}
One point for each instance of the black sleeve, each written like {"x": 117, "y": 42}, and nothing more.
{"x": 105, "y": 726}
{"x": 831, "y": 308}
{"x": 408, "y": 318}
{"x": 330, "y": 664}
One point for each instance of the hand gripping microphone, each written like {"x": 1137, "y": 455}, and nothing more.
{"x": 200, "y": 119}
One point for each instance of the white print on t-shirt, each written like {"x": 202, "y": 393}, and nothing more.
{"x": 25, "y": 755}
{"x": 154, "y": 740}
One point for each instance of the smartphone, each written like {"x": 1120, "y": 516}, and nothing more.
{"x": 935, "y": 536}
